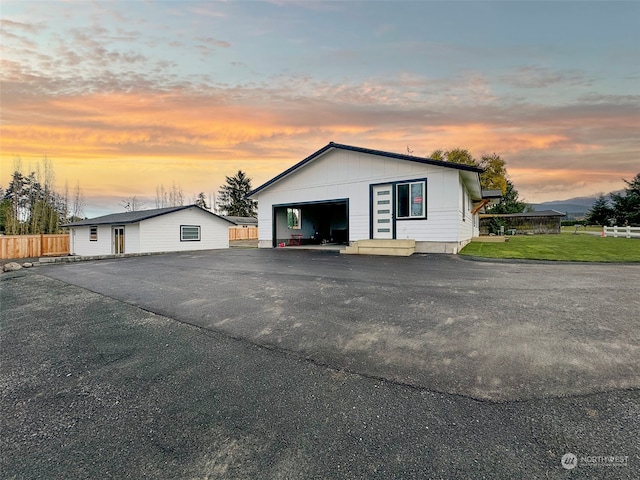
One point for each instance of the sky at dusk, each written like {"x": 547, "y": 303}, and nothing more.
{"x": 124, "y": 96}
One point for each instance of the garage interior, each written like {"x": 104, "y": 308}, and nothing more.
{"x": 318, "y": 223}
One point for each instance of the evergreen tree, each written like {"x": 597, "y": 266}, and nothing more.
{"x": 5, "y": 213}
{"x": 232, "y": 196}
{"x": 30, "y": 206}
{"x": 626, "y": 207}
{"x": 201, "y": 201}
{"x": 600, "y": 213}
{"x": 509, "y": 203}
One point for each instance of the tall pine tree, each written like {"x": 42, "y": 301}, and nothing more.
{"x": 232, "y": 196}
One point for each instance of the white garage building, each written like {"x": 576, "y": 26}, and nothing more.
{"x": 345, "y": 194}
{"x": 169, "y": 229}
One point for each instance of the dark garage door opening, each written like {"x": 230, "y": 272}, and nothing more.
{"x": 311, "y": 223}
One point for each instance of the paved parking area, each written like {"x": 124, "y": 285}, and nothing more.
{"x": 498, "y": 331}
{"x": 280, "y": 364}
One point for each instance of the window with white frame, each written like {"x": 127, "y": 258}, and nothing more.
{"x": 93, "y": 234}
{"x": 294, "y": 218}
{"x": 410, "y": 200}
{"x": 189, "y": 233}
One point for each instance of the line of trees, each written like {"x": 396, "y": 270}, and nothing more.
{"x": 623, "y": 209}
{"x": 31, "y": 205}
{"x": 173, "y": 197}
{"x": 230, "y": 199}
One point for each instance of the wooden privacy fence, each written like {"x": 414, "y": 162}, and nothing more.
{"x": 25, "y": 246}
{"x": 243, "y": 233}
{"x": 629, "y": 232}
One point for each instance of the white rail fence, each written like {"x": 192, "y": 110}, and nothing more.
{"x": 628, "y": 232}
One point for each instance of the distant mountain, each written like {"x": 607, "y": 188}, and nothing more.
{"x": 575, "y": 208}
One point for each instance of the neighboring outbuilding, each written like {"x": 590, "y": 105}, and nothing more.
{"x": 346, "y": 194}
{"x": 171, "y": 229}
{"x": 545, "y": 221}
{"x": 241, "y": 221}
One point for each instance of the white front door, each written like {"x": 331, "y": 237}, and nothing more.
{"x": 382, "y": 211}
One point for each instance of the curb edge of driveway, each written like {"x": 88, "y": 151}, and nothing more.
{"x": 474, "y": 258}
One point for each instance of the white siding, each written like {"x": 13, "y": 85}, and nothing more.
{"x": 162, "y": 233}
{"x": 81, "y": 245}
{"x": 465, "y": 223}
{"x": 158, "y": 234}
{"x": 131, "y": 238}
{"x": 345, "y": 174}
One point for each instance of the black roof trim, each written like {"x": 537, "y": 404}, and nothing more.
{"x": 381, "y": 153}
{"x": 134, "y": 217}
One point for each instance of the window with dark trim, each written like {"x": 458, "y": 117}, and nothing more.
{"x": 93, "y": 234}
{"x": 189, "y": 233}
{"x": 410, "y": 200}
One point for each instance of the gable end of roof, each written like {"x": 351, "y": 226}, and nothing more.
{"x": 380, "y": 153}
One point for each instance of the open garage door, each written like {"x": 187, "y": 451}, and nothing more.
{"x": 325, "y": 222}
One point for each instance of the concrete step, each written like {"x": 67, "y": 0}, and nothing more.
{"x": 399, "y": 248}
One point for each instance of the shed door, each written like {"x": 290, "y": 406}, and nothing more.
{"x": 382, "y": 211}
{"x": 118, "y": 240}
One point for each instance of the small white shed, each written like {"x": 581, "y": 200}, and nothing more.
{"x": 169, "y": 229}
{"x": 343, "y": 194}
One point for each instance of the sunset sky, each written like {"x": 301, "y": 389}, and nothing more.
{"x": 125, "y": 96}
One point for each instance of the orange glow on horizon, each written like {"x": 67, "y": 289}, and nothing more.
{"x": 118, "y": 143}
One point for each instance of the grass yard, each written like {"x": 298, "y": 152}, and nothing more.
{"x": 581, "y": 229}
{"x": 567, "y": 247}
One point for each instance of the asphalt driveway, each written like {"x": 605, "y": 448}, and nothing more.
{"x": 272, "y": 364}
{"x": 497, "y": 331}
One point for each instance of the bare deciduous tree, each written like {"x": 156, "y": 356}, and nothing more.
{"x": 132, "y": 204}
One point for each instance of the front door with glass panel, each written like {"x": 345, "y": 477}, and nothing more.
{"x": 118, "y": 240}
{"x": 383, "y": 211}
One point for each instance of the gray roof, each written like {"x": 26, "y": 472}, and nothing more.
{"x": 241, "y": 220}
{"x": 134, "y": 217}
{"x": 491, "y": 193}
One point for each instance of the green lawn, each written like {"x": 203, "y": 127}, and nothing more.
{"x": 581, "y": 248}
{"x": 588, "y": 228}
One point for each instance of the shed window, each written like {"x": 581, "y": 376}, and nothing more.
{"x": 93, "y": 234}
{"x": 410, "y": 200}
{"x": 190, "y": 233}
